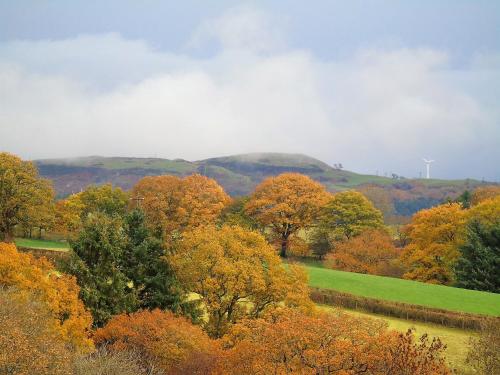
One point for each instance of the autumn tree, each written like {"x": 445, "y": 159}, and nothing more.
{"x": 286, "y": 204}
{"x": 348, "y": 214}
{"x": 96, "y": 264}
{"x": 235, "y": 214}
{"x": 483, "y": 355}
{"x": 237, "y": 274}
{"x": 175, "y": 204}
{"x": 371, "y": 252}
{"x": 338, "y": 343}
{"x": 22, "y": 192}
{"x": 163, "y": 340}
{"x": 435, "y": 235}
{"x": 59, "y": 292}
{"x": 487, "y": 212}
{"x": 484, "y": 192}
{"x": 104, "y": 199}
{"x": 30, "y": 341}
{"x": 478, "y": 266}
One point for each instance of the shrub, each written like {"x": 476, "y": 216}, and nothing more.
{"x": 162, "y": 340}
{"x": 30, "y": 341}
{"x": 484, "y": 355}
{"x": 58, "y": 291}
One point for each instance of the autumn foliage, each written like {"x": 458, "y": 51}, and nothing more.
{"x": 30, "y": 339}
{"x": 58, "y": 292}
{"x": 292, "y": 342}
{"x": 434, "y": 235}
{"x": 237, "y": 274}
{"x": 371, "y": 252}
{"x": 174, "y": 204}
{"x": 285, "y": 204}
{"x": 163, "y": 340}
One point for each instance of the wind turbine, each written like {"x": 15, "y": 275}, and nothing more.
{"x": 428, "y": 165}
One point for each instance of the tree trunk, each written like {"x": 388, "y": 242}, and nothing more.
{"x": 284, "y": 247}
{"x": 8, "y": 237}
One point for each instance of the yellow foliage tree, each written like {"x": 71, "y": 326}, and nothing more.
{"x": 487, "y": 211}
{"x": 484, "y": 192}
{"x": 286, "y": 204}
{"x": 30, "y": 342}
{"x": 435, "y": 235}
{"x": 58, "y": 292}
{"x": 237, "y": 274}
{"x": 174, "y": 204}
{"x": 21, "y": 192}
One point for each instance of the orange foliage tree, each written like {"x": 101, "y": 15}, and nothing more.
{"x": 30, "y": 342}
{"x": 487, "y": 211}
{"x": 163, "y": 340}
{"x": 174, "y": 204}
{"x": 58, "y": 292}
{"x": 286, "y": 204}
{"x": 237, "y": 274}
{"x": 372, "y": 252}
{"x": 293, "y": 342}
{"x": 435, "y": 235}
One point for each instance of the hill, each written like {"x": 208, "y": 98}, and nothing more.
{"x": 239, "y": 174}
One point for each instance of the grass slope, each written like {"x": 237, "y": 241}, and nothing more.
{"x": 41, "y": 244}
{"x": 392, "y": 289}
{"x": 456, "y": 340}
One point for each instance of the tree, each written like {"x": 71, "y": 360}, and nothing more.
{"x": 57, "y": 291}
{"x": 487, "y": 212}
{"x": 96, "y": 264}
{"x": 144, "y": 263}
{"x": 237, "y": 274}
{"x": 234, "y": 214}
{"x": 435, "y": 235}
{"x": 104, "y": 199}
{"x": 483, "y": 352}
{"x": 293, "y": 342}
{"x": 174, "y": 204}
{"x": 21, "y": 192}
{"x": 286, "y": 204}
{"x": 484, "y": 192}
{"x": 348, "y": 214}
{"x": 30, "y": 342}
{"x": 371, "y": 252}
{"x": 163, "y": 340}
{"x": 479, "y": 264}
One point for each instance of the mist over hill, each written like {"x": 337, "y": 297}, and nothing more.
{"x": 239, "y": 174}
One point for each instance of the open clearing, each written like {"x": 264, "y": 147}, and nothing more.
{"x": 41, "y": 244}
{"x": 392, "y": 289}
{"x": 456, "y": 340}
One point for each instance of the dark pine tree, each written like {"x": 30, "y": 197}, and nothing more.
{"x": 479, "y": 265}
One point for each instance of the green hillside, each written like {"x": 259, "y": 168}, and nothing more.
{"x": 391, "y": 289}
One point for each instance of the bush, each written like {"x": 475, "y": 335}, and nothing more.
{"x": 162, "y": 340}
{"x": 30, "y": 342}
{"x": 484, "y": 354}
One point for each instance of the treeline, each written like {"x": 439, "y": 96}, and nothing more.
{"x": 176, "y": 277}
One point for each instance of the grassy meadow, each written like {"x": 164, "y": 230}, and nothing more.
{"x": 406, "y": 291}
{"x": 42, "y": 244}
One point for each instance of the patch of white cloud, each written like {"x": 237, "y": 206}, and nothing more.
{"x": 376, "y": 110}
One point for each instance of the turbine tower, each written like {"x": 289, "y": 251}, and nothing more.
{"x": 428, "y": 165}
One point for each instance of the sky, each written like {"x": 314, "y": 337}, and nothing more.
{"x": 375, "y": 85}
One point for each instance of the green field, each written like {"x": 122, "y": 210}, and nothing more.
{"x": 392, "y": 289}
{"x": 41, "y": 244}
{"x": 456, "y": 340}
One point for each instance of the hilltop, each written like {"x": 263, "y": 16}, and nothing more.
{"x": 239, "y": 174}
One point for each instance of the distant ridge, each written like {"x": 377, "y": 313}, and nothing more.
{"x": 239, "y": 174}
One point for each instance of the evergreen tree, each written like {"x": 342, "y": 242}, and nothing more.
{"x": 96, "y": 264}
{"x": 479, "y": 265}
{"x": 144, "y": 263}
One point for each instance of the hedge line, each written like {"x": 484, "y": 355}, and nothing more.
{"x": 398, "y": 309}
